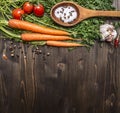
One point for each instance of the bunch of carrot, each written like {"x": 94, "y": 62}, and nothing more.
{"x": 53, "y": 37}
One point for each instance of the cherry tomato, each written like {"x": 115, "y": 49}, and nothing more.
{"x": 38, "y": 10}
{"x": 17, "y": 13}
{"x": 28, "y": 7}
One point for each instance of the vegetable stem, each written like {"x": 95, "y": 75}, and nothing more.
{"x": 3, "y": 22}
{"x": 9, "y": 33}
{"x": 43, "y": 23}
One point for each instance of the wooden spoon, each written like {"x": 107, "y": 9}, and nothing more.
{"x": 82, "y": 13}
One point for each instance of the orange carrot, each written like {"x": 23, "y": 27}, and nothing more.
{"x": 40, "y": 37}
{"x": 62, "y": 44}
{"x": 24, "y": 25}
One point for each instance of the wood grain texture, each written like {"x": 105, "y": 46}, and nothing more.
{"x": 58, "y": 80}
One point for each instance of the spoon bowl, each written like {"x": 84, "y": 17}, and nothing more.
{"x": 82, "y": 13}
{"x": 64, "y": 4}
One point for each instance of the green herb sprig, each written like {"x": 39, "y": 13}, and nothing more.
{"x": 88, "y": 29}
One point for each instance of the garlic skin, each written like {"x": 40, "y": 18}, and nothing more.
{"x": 108, "y": 32}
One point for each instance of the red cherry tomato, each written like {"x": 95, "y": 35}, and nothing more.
{"x": 17, "y": 13}
{"x": 38, "y": 10}
{"x": 28, "y": 7}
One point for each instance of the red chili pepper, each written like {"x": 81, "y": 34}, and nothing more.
{"x": 116, "y": 42}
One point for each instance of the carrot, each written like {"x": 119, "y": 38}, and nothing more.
{"x": 35, "y": 36}
{"x": 62, "y": 44}
{"x": 38, "y": 37}
{"x": 24, "y": 25}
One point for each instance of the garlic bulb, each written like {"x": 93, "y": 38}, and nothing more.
{"x": 108, "y": 32}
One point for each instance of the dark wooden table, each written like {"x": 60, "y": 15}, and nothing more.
{"x": 55, "y": 80}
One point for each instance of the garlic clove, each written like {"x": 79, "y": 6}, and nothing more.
{"x": 114, "y": 33}
{"x": 104, "y": 35}
{"x": 109, "y": 38}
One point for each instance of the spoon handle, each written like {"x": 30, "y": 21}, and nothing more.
{"x": 107, "y": 13}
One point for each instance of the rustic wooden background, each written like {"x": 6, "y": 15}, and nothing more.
{"x": 56, "y": 80}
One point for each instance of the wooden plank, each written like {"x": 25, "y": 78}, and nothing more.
{"x": 59, "y": 80}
